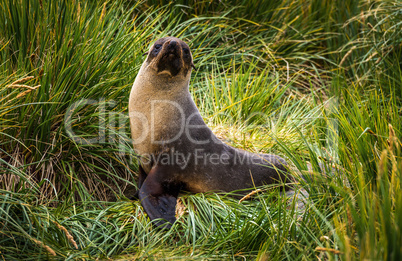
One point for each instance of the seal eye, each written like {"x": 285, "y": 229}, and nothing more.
{"x": 186, "y": 51}
{"x": 157, "y": 48}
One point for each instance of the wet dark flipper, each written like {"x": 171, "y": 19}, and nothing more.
{"x": 159, "y": 199}
{"x": 141, "y": 177}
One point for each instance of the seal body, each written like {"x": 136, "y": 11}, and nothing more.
{"x": 176, "y": 149}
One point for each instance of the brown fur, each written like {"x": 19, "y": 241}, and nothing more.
{"x": 165, "y": 75}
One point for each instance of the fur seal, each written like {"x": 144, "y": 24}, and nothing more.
{"x": 177, "y": 151}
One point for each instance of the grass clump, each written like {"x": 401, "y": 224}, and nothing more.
{"x": 317, "y": 82}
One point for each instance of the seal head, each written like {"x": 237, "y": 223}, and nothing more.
{"x": 171, "y": 56}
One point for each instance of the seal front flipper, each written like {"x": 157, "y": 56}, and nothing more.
{"x": 141, "y": 177}
{"x": 158, "y": 197}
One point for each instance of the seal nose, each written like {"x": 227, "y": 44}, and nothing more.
{"x": 172, "y": 43}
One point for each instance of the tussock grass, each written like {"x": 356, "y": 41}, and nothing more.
{"x": 317, "y": 82}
